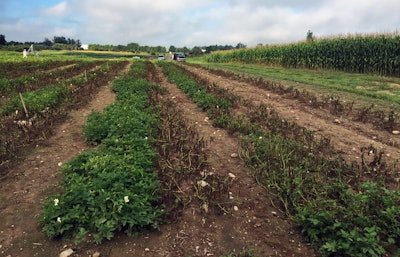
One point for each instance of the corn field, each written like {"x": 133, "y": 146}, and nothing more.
{"x": 375, "y": 54}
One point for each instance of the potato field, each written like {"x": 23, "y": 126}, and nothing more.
{"x": 115, "y": 156}
{"x": 36, "y": 94}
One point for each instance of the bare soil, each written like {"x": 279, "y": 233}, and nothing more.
{"x": 255, "y": 224}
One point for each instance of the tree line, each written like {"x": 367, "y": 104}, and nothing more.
{"x": 57, "y": 43}
{"x": 64, "y": 43}
{"x": 136, "y": 48}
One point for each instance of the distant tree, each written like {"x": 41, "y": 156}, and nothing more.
{"x": 218, "y": 47}
{"x": 182, "y": 49}
{"x": 172, "y": 49}
{"x": 133, "y": 47}
{"x": 212, "y": 48}
{"x": 160, "y": 49}
{"x": 47, "y": 42}
{"x": 145, "y": 49}
{"x": 196, "y": 50}
{"x": 12, "y": 43}
{"x": 240, "y": 45}
{"x": 209, "y": 49}
{"x": 119, "y": 48}
{"x": 60, "y": 40}
{"x": 310, "y": 36}
{"x": 3, "y": 40}
{"x": 71, "y": 41}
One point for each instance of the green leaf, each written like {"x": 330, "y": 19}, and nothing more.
{"x": 330, "y": 246}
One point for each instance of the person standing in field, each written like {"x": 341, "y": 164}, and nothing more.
{"x": 24, "y": 53}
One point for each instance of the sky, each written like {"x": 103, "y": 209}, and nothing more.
{"x": 194, "y": 22}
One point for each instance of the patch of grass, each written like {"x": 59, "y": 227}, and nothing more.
{"x": 383, "y": 91}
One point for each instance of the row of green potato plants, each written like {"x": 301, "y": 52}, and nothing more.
{"x": 338, "y": 218}
{"x": 27, "y": 117}
{"x": 48, "y": 90}
{"x": 37, "y": 79}
{"x": 114, "y": 187}
{"x": 378, "y": 54}
{"x": 9, "y": 69}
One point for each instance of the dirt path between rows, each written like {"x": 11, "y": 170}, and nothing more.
{"x": 254, "y": 224}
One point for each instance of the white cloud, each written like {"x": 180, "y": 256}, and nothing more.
{"x": 197, "y": 23}
{"x": 57, "y": 10}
